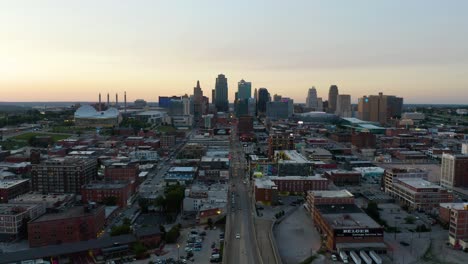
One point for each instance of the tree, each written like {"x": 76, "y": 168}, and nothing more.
{"x": 210, "y": 222}
{"x": 120, "y": 230}
{"x": 173, "y": 234}
{"x": 410, "y": 219}
{"x": 139, "y": 250}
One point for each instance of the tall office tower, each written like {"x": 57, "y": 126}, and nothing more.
{"x": 187, "y": 105}
{"x": 116, "y": 99}
{"x": 108, "y": 100}
{"x": 99, "y": 106}
{"x": 311, "y": 100}
{"x": 277, "y": 98}
{"x": 198, "y": 101}
{"x": 255, "y": 101}
{"x": 379, "y": 108}
{"x": 263, "y": 98}
{"x": 221, "y": 87}
{"x": 244, "y": 90}
{"x": 282, "y": 109}
{"x": 332, "y": 98}
{"x": 319, "y": 107}
{"x": 343, "y": 105}
{"x": 454, "y": 171}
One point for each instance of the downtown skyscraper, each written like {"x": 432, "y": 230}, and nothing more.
{"x": 263, "y": 98}
{"x": 332, "y": 98}
{"x": 221, "y": 94}
{"x": 311, "y": 100}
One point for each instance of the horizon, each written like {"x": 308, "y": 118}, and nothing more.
{"x": 55, "y": 51}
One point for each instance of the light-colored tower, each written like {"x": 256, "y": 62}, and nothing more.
{"x": 343, "y": 105}
{"x": 311, "y": 100}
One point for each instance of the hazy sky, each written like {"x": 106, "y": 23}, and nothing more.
{"x": 72, "y": 50}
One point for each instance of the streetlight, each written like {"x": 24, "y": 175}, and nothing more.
{"x": 178, "y": 256}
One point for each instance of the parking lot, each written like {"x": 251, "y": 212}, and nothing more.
{"x": 206, "y": 239}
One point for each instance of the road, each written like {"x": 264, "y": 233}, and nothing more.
{"x": 239, "y": 217}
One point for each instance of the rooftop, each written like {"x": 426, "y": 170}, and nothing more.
{"x": 418, "y": 183}
{"x": 264, "y": 183}
{"x": 291, "y": 156}
{"x": 14, "y": 208}
{"x": 182, "y": 169}
{"x": 5, "y": 184}
{"x": 105, "y": 185}
{"x": 77, "y": 211}
{"x": 341, "y": 216}
{"x": 297, "y": 178}
{"x": 332, "y": 194}
{"x": 456, "y": 206}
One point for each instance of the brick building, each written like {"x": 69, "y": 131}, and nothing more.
{"x": 279, "y": 142}
{"x": 456, "y": 215}
{"x": 122, "y": 171}
{"x": 265, "y": 191}
{"x": 63, "y": 175}
{"x": 327, "y": 197}
{"x": 300, "y": 184}
{"x": 72, "y": 225}
{"x": 454, "y": 171}
{"x": 363, "y": 140}
{"x": 104, "y": 191}
{"x": 167, "y": 141}
{"x": 10, "y": 189}
{"x": 419, "y": 194}
{"x": 395, "y": 173}
{"x": 343, "y": 177}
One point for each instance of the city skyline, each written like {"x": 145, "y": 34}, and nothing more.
{"x": 72, "y": 51}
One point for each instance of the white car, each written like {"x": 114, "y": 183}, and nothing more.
{"x": 237, "y": 236}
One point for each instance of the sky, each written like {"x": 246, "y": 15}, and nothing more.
{"x": 72, "y": 50}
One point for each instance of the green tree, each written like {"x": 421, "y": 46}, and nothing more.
{"x": 173, "y": 234}
{"x": 120, "y": 230}
{"x": 139, "y": 249}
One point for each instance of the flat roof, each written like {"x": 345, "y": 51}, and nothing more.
{"x": 341, "y": 216}
{"x": 77, "y": 211}
{"x": 9, "y": 208}
{"x": 456, "y": 206}
{"x": 297, "y": 178}
{"x": 292, "y": 156}
{"x": 264, "y": 183}
{"x": 5, "y": 184}
{"x": 332, "y": 194}
{"x": 418, "y": 183}
{"x": 182, "y": 169}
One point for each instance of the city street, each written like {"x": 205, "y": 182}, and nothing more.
{"x": 242, "y": 249}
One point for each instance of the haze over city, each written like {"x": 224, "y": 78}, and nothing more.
{"x": 64, "y": 51}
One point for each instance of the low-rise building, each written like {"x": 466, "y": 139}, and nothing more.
{"x": 122, "y": 171}
{"x": 181, "y": 174}
{"x": 299, "y": 184}
{"x": 107, "y": 192}
{"x": 10, "y": 189}
{"x": 13, "y": 216}
{"x": 327, "y": 197}
{"x": 419, "y": 194}
{"x": 49, "y": 201}
{"x": 346, "y": 227}
{"x": 265, "y": 191}
{"x": 343, "y": 177}
{"x": 71, "y": 225}
{"x": 395, "y": 173}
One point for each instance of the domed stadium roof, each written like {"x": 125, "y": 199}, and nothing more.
{"x": 87, "y": 111}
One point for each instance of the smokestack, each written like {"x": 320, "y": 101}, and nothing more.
{"x": 116, "y": 99}
{"x": 99, "y": 106}
{"x": 125, "y": 102}
{"x": 108, "y": 102}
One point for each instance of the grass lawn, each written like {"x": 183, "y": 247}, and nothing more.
{"x": 28, "y": 135}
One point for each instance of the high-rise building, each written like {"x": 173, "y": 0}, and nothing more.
{"x": 221, "y": 87}
{"x": 277, "y": 98}
{"x": 332, "y": 98}
{"x": 379, "y": 108}
{"x": 263, "y": 98}
{"x": 319, "y": 104}
{"x": 282, "y": 109}
{"x": 454, "y": 171}
{"x": 244, "y": 90}
{"x": 198, "y": 105}
{"x": 311, "y": 100}
{"x": 343, "y": 105}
